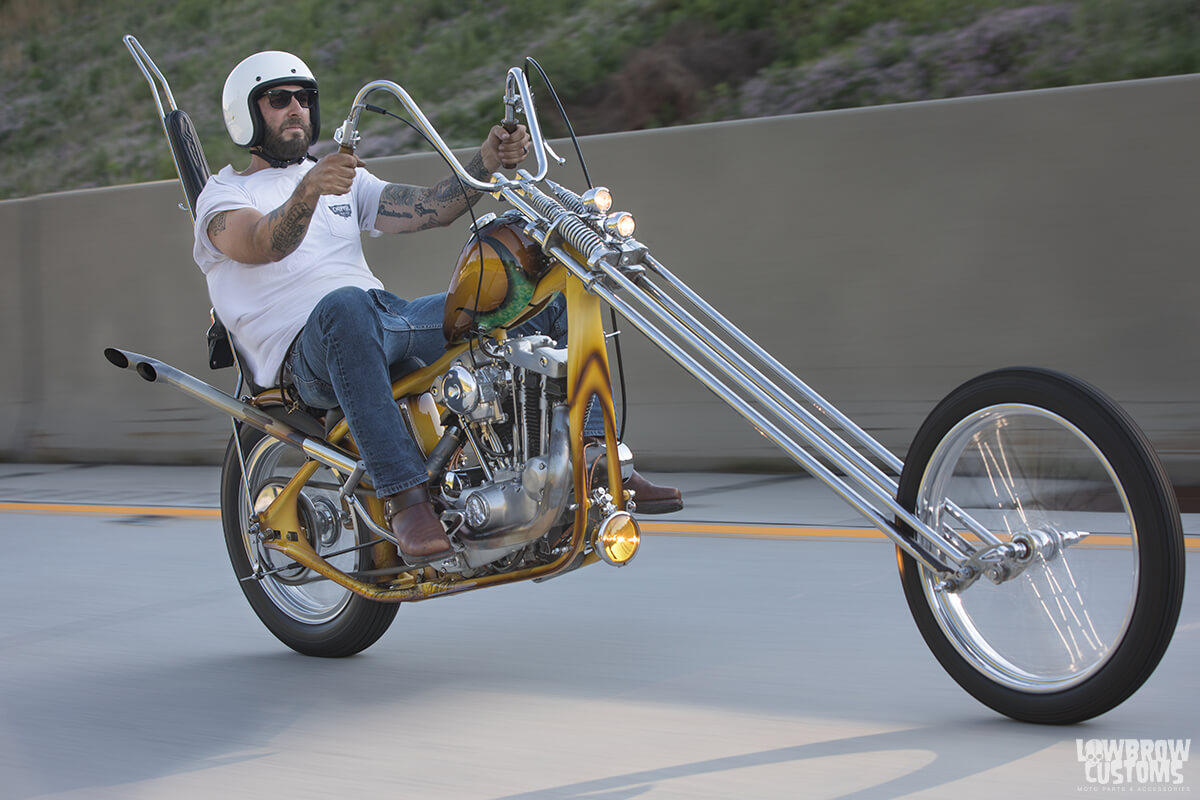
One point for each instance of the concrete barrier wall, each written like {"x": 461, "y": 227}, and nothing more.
{"x": 885, "y": 254}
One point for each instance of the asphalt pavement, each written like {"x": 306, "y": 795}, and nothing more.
{"x": 715, "y": 665}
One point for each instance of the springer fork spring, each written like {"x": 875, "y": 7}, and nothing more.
{"x": 569, "y": 226}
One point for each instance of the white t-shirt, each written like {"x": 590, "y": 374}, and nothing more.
{"x": 264, "y": 306}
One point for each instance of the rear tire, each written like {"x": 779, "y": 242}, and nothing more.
{"x": 1078, "y": 631}
{"x": 309, "y": 614}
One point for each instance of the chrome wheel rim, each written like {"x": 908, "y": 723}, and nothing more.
{"x": 297, "y": 591}
{"x": 1021, "y": 470}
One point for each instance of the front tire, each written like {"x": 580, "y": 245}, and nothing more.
{"x": 309, "y": 614}
{"x": 1079, "y": 630}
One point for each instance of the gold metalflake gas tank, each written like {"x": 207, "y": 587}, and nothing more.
{"x": 494, "y": 279}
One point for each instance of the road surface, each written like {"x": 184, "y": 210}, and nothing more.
{"x": 716, "y": 665}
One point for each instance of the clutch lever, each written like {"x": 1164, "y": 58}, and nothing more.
{"x": 550, "y": 152}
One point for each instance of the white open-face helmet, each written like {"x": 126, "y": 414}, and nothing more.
{"x": 252, "y": 77}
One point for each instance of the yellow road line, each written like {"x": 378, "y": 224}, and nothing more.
{"x": 108, "y": 510}
{"x": 770, "y": 531}
{"x": 699, "y": 529}
{"x": 796, "y": 532}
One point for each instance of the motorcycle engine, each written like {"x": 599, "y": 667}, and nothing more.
{"x": 502, "y": 471}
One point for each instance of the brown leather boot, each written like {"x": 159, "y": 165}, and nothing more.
{"x": 416, "y": 527}
{"x": 650, "y": 498}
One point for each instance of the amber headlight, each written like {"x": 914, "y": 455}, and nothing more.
{"x": 617, "y": 539}
{"x": 620, "y": 224}
{"x": 598, "y": 200}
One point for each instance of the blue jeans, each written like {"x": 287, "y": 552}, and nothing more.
{"x": 343, "y": 355}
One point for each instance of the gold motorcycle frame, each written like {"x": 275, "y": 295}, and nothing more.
{"x": 587, "y": 377}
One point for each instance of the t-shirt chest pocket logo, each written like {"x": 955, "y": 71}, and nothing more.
{"x": 341, "y": 218}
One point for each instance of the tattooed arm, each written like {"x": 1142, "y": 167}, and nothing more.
{"x": 404, "y": 208}
{"x": 251, "y": 237}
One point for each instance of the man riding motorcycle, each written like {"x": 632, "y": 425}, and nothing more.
{"x": 279, "y": 243}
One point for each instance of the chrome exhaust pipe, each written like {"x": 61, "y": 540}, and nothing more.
{"x": 155, "y": 371}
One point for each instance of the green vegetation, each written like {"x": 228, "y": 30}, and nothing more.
{"x": 76, "y": 112}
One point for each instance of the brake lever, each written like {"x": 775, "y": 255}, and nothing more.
{"x": 557, "y": 158}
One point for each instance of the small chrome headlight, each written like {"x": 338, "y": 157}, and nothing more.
{"x": 620, "y": 224}
{"x": 617, "y": 539}
{"x": 598, "y": 200}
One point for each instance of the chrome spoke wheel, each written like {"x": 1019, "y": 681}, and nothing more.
{"x": 304, "y": 610}
{"x": 300, "y": 593}
{"x": 1028, "y": 473}
{"x": 1076, "y": 576}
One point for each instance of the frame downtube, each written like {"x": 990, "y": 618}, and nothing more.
{"x": 587, "y": 377}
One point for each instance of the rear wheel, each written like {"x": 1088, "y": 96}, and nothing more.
{"x": 1049, "y": 463}
{"x": 305, "y": 611}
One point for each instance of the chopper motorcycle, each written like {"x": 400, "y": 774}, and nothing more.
{"x": 1038, "y": 539}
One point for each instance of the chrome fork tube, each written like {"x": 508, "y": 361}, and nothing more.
{"x": 889, "y": 459}
{"x": 823, "y": 406}
{"x": 739, "y": 369}
{"x": 876, "y": 496}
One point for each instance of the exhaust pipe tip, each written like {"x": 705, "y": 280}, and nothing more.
{"x": 117, "y": 358}
{"x": 124, "y": 360}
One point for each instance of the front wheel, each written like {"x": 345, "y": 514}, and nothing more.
{"x": 305, "y": 611}
{"x": 1034, "y": 453}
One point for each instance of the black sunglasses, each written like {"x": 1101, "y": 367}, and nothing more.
{"x": 282, "y": 98}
